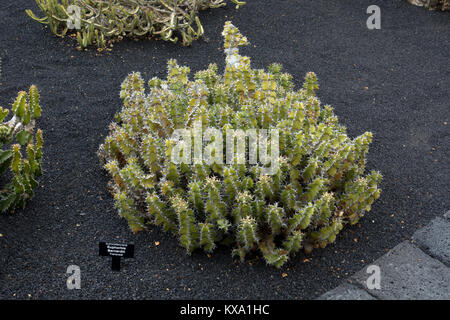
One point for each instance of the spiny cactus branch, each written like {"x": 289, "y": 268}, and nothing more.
{"x": 25, "y": 169}
{"x": 102, "y": 22}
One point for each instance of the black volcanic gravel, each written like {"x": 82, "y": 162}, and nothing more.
{"x": 393, "y": 82}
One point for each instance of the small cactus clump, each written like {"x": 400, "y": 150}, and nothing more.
{"x": 316, "y": 187}
{"x": 101, "y": 22}
{"x": 24, "y": 170}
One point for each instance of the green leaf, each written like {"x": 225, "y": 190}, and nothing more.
{"x": 5, "y": 155}
{"x": 23, "y": 137}
{"x": 6, "y": 202}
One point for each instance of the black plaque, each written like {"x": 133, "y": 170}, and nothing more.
{"x": 116, "y": 251}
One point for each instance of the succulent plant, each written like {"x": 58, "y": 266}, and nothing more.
{"x": 318, "y": 184}
{"x": 23, "y": 170}
{"x": 442, "y": 5}
{"x": 102, "y": 21}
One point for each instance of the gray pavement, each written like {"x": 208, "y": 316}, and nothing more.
{"x": 418, "y": 269}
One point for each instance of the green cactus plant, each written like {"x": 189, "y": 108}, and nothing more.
{"x": 318, "y": 186}
{"x": 23, "y": 169}
{"x": 101, "y": 22}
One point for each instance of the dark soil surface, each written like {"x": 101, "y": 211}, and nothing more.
{"x": 393, "y": 82}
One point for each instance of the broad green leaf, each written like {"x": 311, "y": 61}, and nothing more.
{"x": 23, "y": 137}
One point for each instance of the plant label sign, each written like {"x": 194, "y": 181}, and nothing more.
{"x": 116, "y": 251}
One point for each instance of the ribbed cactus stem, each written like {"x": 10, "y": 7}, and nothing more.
{"x": 158, "y": 211}
{"x": 247, "y": 232}
{"x": 243, "y": 208}
{"x": 275, "y": 218}
{"x": 313, "y": 189}
{"x": 293, "y": 242}
{"x": 189, "y": 234}
{"x": 207, "y": 238}
{"x": 195, "y": 196}
{"x": 306, "y": 214}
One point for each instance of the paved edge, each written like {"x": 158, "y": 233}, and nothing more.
{"x": 413, "y": 270}
{"x": 346, "y": 291}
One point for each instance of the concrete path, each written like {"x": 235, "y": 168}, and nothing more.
{"x": 414, "y": 270}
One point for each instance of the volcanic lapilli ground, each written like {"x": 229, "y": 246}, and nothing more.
{"x": 393, "y": 82}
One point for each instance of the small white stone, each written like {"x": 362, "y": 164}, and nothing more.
{"x": 447, "y": 214}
